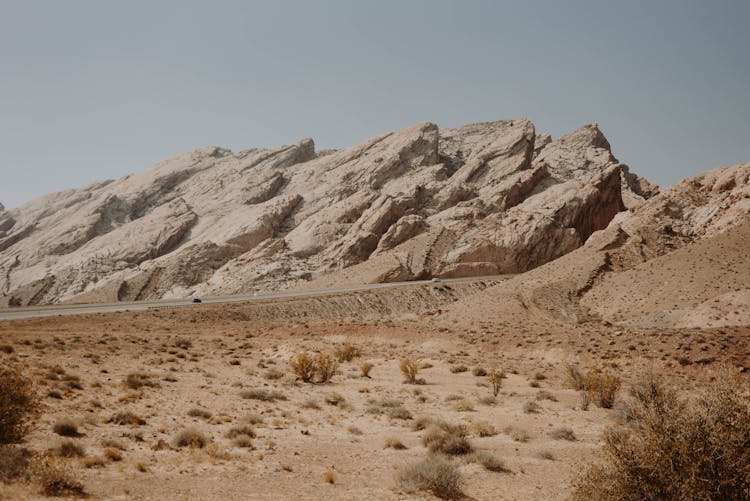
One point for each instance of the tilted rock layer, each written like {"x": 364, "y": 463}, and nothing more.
{"x": 421, "y": 202}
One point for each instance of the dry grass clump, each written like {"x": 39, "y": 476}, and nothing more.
{"x": 18, "y": 403}
{"x": 137, "y": 380}
{"x": 199, "y": 413}
{"x": 517, "y": 434}
{"x": 365, "y": 368}
{"x": 399, "y": 413}
{"x": 482, "y": 429}
{"x": 463, "y": 405}
{"x": 532, "y": 407}
{"x": 563, "y": 433}
{"x": 70, "y": 449}
{"x": 435, "y": 474}
{"x": 597, "y": 386}
{"x": 495, "y": 378}
{"x": 346, "y": 352}
{"x": 478, "y": 372}
{"x": 447, "y": 439}
{"x": 191, "y": 437}
{"x": 673, "y": 448}
{"x": 55, "y": 478}
{"x": 126, "y": 418}
{"x": 335, "y": 398}
{"x": 66, "y": 428}
{"x": 238, "y": 430}
{"x": 394, "y": 443}
{"x": 457, "y": 369}
{"x": 489, "y": 461}
{"x": 113, "y": 454}
{"x": 410, "y": 368}
{"x": 263, "y": 395}
{"x": 306, "y": 367}
{"x": 14, "y": 462}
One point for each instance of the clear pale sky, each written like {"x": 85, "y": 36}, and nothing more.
{"x": 100, "y": 89}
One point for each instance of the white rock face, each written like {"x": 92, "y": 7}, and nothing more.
{"x": 420, "y": 202}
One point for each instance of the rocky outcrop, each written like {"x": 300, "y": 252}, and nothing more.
{"x": 421, "y": 202}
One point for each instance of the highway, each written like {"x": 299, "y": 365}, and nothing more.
{"x": 77, "y": 309}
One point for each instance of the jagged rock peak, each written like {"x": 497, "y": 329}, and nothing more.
{"x": 419, "y": 202}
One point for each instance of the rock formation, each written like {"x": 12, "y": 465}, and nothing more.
{"x": 421, "y": 202}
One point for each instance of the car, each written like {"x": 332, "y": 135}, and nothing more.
{"x": 436, "y": 280}
{"x": 197, "y": 300}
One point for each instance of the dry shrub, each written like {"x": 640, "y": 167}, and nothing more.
{"x": 66, "y": 428}
{"x": 71, "y": 449}
{"x": 113, "y": 454}
{"x": 365, "y": 368}
{"x": 409, "y": 368}
{"x": 191, "y": 437}
{"x": 575, "y": 378}
{"x": 18, "y": 403}
{"x": 456, "y": 369}
{"x": 306, "y": 367}
{"x": 447, "y": 439}
{"x": 14, "y": 462}
{"x": 532, "y": 407}
{"x": 602, "y": 388}
{"x": 478, "y": 372}
{"x": 673, "y": 448}
{"x": 335, "y": 398}
{"x": 482, "y": 429}
{"x": 56, "y": 478}
{"x": 303, "y": 367}
{"x": 490, "y": 462}
{"x": 563, "y": 433}
{"x": 127, "y": 418}
{"x": 137, "y": 380}
{"x": 495, "y": 378}
{"x": 263, "y": 395}
{"x": 325, "y": 367}
{"x": 346, "y": 352}
{"x": 238, "y": 430}
{"x": 394, "y": 443}
{"x": 200, "y": 413}
{"x": 435, "y": 474}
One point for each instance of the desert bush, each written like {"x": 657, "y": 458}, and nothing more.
{"x": 191, "y": 437}
{"x": 482, "y": 429}
{"x": 574, "y": 377}
{"x": 365, "y": 368}
{"x": 126, "y": 418}
{"x": 198, "y": 412}
{"x": 399, "y": 413}
{"x": 113, "y": 454}
{"x": 137, "y": 380}
{"x": 273, "y": 374}
{"x": 346, "y": 352}
{"x": 532, "y": 407}
{"x": 447, "y": 439}
{"x": 602, "y": 388}
{"x": 325, "y": 367}
{"x": 14, "y": 462}
{"x": 463, "y": 405}
{"x": 409, "y": 368}
{"x": 66, "y": 428}
{"x": 674, "y": 448}
{"x": 394, "y": 443}
{"x": 303, "y": 367}
{"x": 55, "y": 477}
{"x": 18, "y": 404}
{"x": 478, "y": 372}
{"x": 517, "y": 434}
{"x": 495, "y": 378}
{"x": 71, "y": 449}
{"x": 490, "y": 462}
{"x": 563, "y": 433}
{"x": 435, "y": 474}
{"x": 244, "y": 441}
{"x": 263, "y": 395}
{"x": 238, "y": 430}
{"x": 456, "y": 369}
{"x": 335, "y": 398}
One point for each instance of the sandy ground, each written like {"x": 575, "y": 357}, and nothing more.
{"x": 204, "y": 357}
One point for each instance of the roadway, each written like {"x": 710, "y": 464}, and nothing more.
{"x": 78, "y": 309}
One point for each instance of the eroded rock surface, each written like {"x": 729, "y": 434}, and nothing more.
{"x": 416, "y": 203}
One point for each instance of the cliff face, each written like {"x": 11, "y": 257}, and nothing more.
{"x": 420, "y": 202}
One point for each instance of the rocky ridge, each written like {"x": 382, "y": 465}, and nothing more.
{"x": 421, "y": 202}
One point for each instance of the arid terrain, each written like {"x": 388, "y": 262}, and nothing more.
{"x": 206, "y": 402}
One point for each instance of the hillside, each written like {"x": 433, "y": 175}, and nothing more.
{"x": 481, "y": 199}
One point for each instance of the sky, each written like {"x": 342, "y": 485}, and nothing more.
{"x": 95, "y": 89}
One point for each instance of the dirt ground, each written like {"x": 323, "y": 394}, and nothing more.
{"x": 203, "y": 358}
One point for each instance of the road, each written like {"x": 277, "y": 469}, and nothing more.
{"x": 77, "y": 309}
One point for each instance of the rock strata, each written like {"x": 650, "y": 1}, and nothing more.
{"x": 420, "y": 202}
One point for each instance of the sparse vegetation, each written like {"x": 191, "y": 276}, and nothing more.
{"x": 306, "y": 367}
{"x": 495, "y": 378}
{"x": 447, "y": 439}
{"x": 137, "y": 380}
{"x": 191, "y": 437}
{"x": 365, "y": 368}
{"x": 346, "y": 352}
{"x": 199, "y": 413}
{"x": 71, "y": 449}
{"x": 394, "y": 443}
{"x": 18, "y": 404}
{"x": 409, "y": 368}
{"x": 66, "y": 428}
{"x": 489, "y": 461}
{"x": 563, "y": 433}
{"x": 598, "y": 385}
{"x": 56, "y": 478}
{"x": 262, "y": 395}
{"x": 435, "y": 474}
{"x": 673, "y": 448}
{"x": 303, "y": 367}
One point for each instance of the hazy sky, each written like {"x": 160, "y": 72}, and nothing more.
{"x": 99, "y": 89}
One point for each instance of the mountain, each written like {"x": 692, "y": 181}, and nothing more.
{"x": 679, "y": 260}
{"x": 421, "y": 202}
